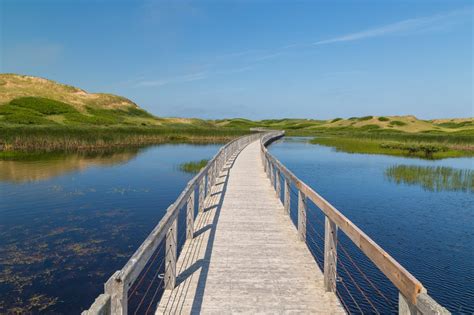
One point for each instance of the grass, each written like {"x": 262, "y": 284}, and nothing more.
{"x": 432, "y": 178}
{"x": 60, "y": 138}
{"x": 193, "y": 166}
{"x": 377, "y": 146}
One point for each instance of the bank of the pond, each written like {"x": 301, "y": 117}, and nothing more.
{"x": 426, "y": 150}
{"x": 15, "y": 141}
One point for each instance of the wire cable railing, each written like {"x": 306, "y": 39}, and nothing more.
{"x": 139, "y": 285}
{"x": 358, "y": 271}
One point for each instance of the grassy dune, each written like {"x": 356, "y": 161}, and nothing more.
{"x": 39, "y": 114}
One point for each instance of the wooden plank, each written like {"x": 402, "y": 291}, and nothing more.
{"x": 278, "y": 184}
{"x": 330, "y": 255}
{"x": 190, "y": 217}
{"x": 115, "y": 288}
{"x": 248, "y": 259}
{"x": 302, "y": 216}
{"x": 397, "y": 274}
{"x": 287, "y": 199}
{"x": 201, "y": 195}
{"x": 170, "y": 256}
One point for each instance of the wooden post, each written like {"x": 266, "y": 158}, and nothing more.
{"x": 118, "y": 294}
{"x": 170, "y": 256}
{"x": 302, "y": 215}
{"x": 287, "y": 196}
{"x": 278, "y": 184}
{"x": 201, "y": 194}
{"x": 208, "y": 188}
{"x": 190, "y": 217}
{"x": 272, "y": 176}
{"x": 405, "y": 307}
{"x": 330, "y": 255}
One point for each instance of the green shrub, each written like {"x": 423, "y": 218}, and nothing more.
{"x": 336, "y": 119}
{"x": 383, "y": 118}
{"x": 44, "y": 106}
{"x": 365, "y": 118}
{"x": 397, "y": 123}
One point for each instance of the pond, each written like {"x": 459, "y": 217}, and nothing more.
{"x": 68, "y": 222}
{"x": 420, "y": 211}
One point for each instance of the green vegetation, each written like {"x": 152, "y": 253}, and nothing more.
{"x": 397, "y": 123}
{"x": 374, "y": 146}
{"x": 432, "y": 178}
{"x": 193, "y": 167}
{"x": 41, "y": 115}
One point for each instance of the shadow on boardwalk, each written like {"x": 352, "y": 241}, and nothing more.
{"x": 192, "y": 261}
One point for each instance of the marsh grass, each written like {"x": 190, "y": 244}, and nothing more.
{"x": 48, "y": 139}
{"x": 377, "y": 146}
{"x": 193, "y": 166}
{"x": 432, "y": 178}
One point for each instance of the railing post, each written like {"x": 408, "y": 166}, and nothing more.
{"x": 118, "y": 294}
{"x": 287, "y": 196}
{"x": 302, "y": 215}
{"x": 330, "y": 255}
{"x": 170, "y": 256}
{"x": 190, "y": 217}
{"x": 405, "y": 307}
{"x": 201, "y": 194}
{"x": 278, "y": 183}
{"x": 272, "y": 175}
{"x": 209, "y": 185}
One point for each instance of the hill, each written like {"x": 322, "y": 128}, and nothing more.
{"x": 406, "y": 124}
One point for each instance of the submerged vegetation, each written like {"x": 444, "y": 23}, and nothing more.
{"x": 432, "y": 178}
{"x": 193, "y": 166}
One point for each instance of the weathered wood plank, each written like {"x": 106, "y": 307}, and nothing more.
{"x": 170, "y": 255}
{"x": 330, "y": 255}
{"x": 190, "y": 217}
{"x": 302, "y": 216}
{"x": 287, "y": 196}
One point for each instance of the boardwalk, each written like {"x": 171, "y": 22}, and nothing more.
{"x": 246, "y": 256}
{"x": 243, "y": 255}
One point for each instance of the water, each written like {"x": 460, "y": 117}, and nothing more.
{"x": 424, "y": 221}
{"x": 67, "y": 223}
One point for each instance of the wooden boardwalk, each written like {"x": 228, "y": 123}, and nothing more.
{"x": 246, "y": 256}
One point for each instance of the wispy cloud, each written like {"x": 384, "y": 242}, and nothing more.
{"x": 408, "y": 26}
{"x": 178, "y": 79}
{"x": 195, "y": 76}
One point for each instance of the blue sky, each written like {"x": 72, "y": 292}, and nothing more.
{"x": 253, "y": 59}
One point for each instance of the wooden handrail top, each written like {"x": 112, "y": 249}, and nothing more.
{"x": 405, "y": 282}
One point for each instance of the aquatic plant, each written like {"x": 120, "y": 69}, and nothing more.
{"x": 193, "y": 167}
{"x": 432, "y": 178}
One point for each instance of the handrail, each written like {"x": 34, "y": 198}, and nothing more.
{"x": 413, "y": 296}
{"x": 114, "y": 300}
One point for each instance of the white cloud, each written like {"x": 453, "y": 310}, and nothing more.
{"x": 414, "y": 25}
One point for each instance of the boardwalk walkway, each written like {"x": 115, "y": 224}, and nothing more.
{"x": 246, "y": 256}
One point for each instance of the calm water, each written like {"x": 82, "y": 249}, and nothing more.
{"x": 420, "y": 211}
{"x": 66, "y": 224}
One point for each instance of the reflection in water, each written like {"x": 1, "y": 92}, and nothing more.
{"x": 65, "y": 230}
{"x": 32, "y": 171}
{"x": 439, "y": 178}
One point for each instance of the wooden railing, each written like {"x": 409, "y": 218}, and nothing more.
{"x": 114, "y": 300}
{"x": 413, "y": 297}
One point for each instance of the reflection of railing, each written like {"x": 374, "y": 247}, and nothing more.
{"x": 162, "y": 244}
{"x": 413, "y": 297}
